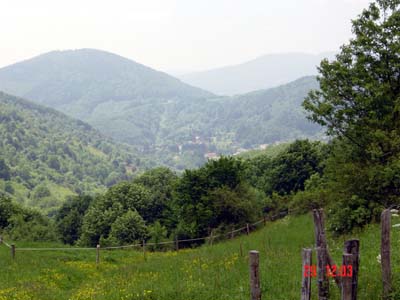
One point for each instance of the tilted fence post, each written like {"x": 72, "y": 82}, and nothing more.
{"x": 320, "y": 239}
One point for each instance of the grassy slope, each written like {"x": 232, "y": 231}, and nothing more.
{"x": 210, "y": 272}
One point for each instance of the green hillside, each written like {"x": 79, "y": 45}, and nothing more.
{"x": 46, "y": 156}
{"x": 209, "y": 272}
{"x": 173, "y": 122}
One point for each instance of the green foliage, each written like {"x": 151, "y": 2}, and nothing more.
{"x": 41, "y": 191}
{"x": 158, "y": 234}
{"x": 23, "y": 224}
{"x": 69, "y": 218}
{"x": 53, "y": 156}
{"x": 288, "y": 171}
{"x": 359, "y": 103}
{"x": 160, "y": 183}
{"x": 4, "y": 170}
{"x": 295, "y": 165}
{"x": 106, "y": 209}
{"x": 214, "y": 195}
{"x": 128, "y": 228}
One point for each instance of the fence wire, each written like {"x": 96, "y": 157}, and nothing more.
{"x": 210, "y": 238}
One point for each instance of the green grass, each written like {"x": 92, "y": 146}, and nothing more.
{"x": 209, "y": 272}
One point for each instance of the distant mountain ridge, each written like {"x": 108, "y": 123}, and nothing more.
{"x": 76, "y": 81}
{"x": 175, "y": 123}
{"x": 261, "y": 73}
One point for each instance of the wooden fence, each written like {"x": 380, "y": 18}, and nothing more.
{"x": 345, "y": 277}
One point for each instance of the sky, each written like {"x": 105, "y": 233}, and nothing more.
{"x": 176, "y": 36}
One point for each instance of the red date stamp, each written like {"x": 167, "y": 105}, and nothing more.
{"x": 331, "y": 271}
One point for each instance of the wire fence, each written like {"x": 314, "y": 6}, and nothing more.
{"x": 210, "y": 237}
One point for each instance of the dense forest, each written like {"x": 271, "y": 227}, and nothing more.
{"x": 46, "y": 156}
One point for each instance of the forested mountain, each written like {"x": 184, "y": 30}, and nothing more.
{"x": 108, "y": 91}
{"x": 263, "y": 72}
{"x": 174, "y": 123}
{"x": 45, "y": 155}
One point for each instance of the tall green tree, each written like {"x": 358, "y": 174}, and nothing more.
{"x": 359, "y": 103}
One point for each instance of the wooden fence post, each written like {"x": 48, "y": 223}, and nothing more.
{"x": 176, "y": 243}
{"x": 247, "y": 229}
{"x": 265, "y": 220}
{"x": 347, "y": 281}
{"x": 13, "y": 251}
{"x": 97, "y": 254}
{"x": 255, "y": 288}
{"x": 385, "y": 252}
{"x": 323, "y": 282}
{"x": 306, "y": 278}
{"x": 1, "y": 240}
{"x": 353, "y": 247}
{"x": 320, "y": 238}
{"x": 233, "y": 232}
{"x": 211, "y": 238}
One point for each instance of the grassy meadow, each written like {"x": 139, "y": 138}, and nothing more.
{"x": 209, "y": 272}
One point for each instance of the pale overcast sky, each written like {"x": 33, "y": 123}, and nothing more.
{"x": 175, "y": 35}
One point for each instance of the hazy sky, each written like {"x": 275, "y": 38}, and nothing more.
{"x": 175, "y": 35}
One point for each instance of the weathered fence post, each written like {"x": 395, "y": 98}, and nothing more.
{"x": 385, "y": 252}
{"x": 176, "y": 243}
{"x": 265, "y": 220}
{"x": 1, "y": 240}
{"x": 322, "y": 255}
{"x": 323, "y": 282}
{"x": 353, "y": 247}
{"x": 255, "y": 288}
{"x": 211, "y": 238}
{"x": 233, "y": 232}
{"x": 13, "y": 251}
{"x": 97, "y": 254}
{"x": 306, "y": 278}
{"x": 320, "y": 239}
{"x": 247, "y": 229}
{"x": 347, "y": 280}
